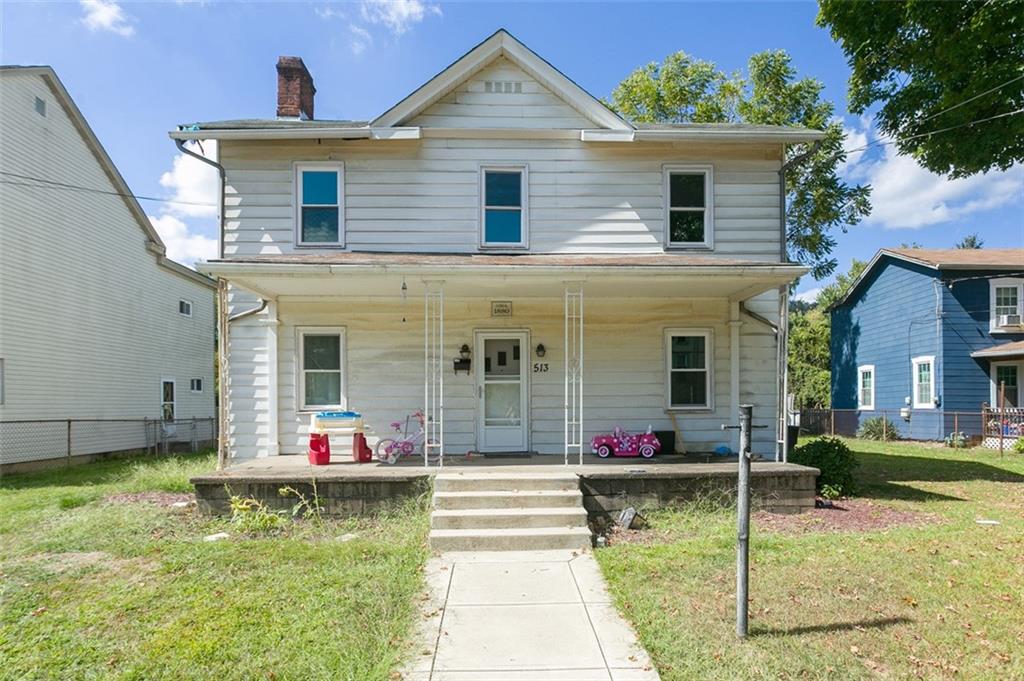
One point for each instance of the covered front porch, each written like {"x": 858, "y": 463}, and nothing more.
{"x": 503, "y": 353}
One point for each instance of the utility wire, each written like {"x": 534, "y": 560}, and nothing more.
{"x": 53, "y": 184}
{"x": 968, "y": 101}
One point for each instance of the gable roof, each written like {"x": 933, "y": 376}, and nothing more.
{"x": 943, "y": 259}
{"x": 154, "y": 243}
{"x": 1003, "y": 350}
{"x": 502, "y": 43}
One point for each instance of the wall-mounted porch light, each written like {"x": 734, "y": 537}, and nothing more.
{"x": 541, "y": 350}
{"x": 462, "y": 362}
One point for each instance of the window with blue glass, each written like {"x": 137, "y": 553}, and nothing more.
{"x": 504, "y": 207}
{"x": 319, "y": 218}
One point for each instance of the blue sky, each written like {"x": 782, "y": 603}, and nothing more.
{"x": 138, "y": 69}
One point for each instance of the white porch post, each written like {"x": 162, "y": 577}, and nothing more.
{"x": 782, "y": 339}
{"x": 273, "y": 441}
{"x": 734, "y": 369}
{"x": 433, "y": 371}
{"x": 573, "y": 304}
{"x": 223, "y": 443}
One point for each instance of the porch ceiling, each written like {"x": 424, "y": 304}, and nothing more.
{"x": 498, "y": 276}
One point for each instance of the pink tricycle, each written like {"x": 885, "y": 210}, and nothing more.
{"x": 621, "y": 443}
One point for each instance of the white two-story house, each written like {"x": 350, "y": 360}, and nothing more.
{"x": 503, "y": 252}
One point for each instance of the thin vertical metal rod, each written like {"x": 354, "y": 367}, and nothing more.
{"x": 440, "y": 373}
{"x": 743, "y": 523}
{"x": 568, "y": 353}
{"x": 426, "y": 376}
{"x": 579, "y": 397}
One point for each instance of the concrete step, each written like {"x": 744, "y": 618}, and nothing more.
{"x": 525, "y": 539}
{"x": 504, "y": 500}
{"x": 500, "y": 482}
{"x": 507, "y": 518}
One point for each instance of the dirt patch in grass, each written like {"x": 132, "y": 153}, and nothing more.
{"x": 849, "y": 515}
{"x": 162, "y": 499}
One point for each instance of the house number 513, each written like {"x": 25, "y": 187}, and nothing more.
{"x": 540, "y": 367}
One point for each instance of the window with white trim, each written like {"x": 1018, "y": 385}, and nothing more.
{"x": 688, "y": 206}
{"x": 866, "y": 386}
{"x": 167, "y": 399}
{"x": 196, "y": 385}
{"x": 321, "y": 368}
{"x": 503, "y": 206}
{"x": 185, "y": 308}
{"x": 923, "y": 382}
{"x": 688, "y": 356}
{"x": 1006, "y": 378}
{"x": 319, "y": 204}
{"x": 1006, "y": 295}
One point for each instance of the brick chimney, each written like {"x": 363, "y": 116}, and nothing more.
{"x": 294, "y": 89}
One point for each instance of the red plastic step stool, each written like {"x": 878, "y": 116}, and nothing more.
{"x": 361, "y": 452}
{"x": 319, "y": 449}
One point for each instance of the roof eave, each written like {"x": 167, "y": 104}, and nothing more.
{"x": 782, "y": 136}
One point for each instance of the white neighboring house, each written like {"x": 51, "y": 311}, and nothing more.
{"x": 594, "y": 272}
{"x": 95, "y": 321}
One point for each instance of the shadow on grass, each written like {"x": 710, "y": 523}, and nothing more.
{"x": 880, "y": 475}
{"x": 882, "y": 623}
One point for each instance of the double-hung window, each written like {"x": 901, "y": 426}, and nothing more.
{"x": 321, "y": 367}
{"x": 866, "y": 387}
{"x": 688, "y": 206}
{"x": 923, "y": 382}
{"x": 319, "y": 202}
{"x": 1006, "y": 295}
{"x": 503, "y": 206}
{"x": 688, "y": 356}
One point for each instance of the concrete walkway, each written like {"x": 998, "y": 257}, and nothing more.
{"x": 522, "y": 616}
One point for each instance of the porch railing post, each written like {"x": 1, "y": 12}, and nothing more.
{"x": 573, "y": 374}
{"x": 433, "y": 371}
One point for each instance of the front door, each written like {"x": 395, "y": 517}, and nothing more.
{"x": 501, "y": 361}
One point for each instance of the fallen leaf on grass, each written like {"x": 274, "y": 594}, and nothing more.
{"x": 39, "y": 611}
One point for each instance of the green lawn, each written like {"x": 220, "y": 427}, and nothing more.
{"x": 943, "y": 599}
{"x": 94, "y": 589}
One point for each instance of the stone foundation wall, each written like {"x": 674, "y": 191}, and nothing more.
{"x": 788, "y": 491}
{"x": 337, "y": 497}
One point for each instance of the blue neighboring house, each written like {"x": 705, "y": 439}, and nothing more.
{"x": 926, "y": 334}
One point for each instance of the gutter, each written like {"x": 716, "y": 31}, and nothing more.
{"x": 180, "y": 143}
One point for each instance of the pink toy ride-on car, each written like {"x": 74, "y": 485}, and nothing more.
{"x": 621, "y": 443}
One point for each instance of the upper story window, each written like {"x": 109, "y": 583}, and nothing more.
{"x": 320, "y": 214}
{"x": 688, "y": 206}
{"x": 1006, "y": 296}
{"x": 503, "y": 206}
{"x": 866, "y": 387}
{"x": 688, "y": 364}
{"x": 185, "y": 308}
{"x": 924, "y": 382}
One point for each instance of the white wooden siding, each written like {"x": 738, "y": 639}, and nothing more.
{"x": 624, "y": 362}
{"x": 423, "y": 196}
{"x": 471, "y": 106}
{"x": 90, "y": 320}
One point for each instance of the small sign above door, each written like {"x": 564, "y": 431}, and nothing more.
{"x": 501, "y": 308}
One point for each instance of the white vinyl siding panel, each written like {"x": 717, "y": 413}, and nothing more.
{"x": 423, "y": 196}
{"x": 90, "y": 319}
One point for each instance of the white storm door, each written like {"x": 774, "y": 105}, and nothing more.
{"x": 501, "y": 360}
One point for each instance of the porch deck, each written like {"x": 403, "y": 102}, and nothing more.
{"x": 608, "y": 485}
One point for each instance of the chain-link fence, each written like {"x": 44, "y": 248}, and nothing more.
{"x": 989, "y": 427}
{"x": 55, "y": 440}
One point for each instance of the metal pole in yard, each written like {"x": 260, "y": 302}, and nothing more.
{"x": 1002, "y": 415}
{"x": 743, "y": 520}
{"x": 69, "y": 443}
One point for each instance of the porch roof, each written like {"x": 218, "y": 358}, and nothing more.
{"x": 683, "y": 275}
{"x": 1013, "y": 350}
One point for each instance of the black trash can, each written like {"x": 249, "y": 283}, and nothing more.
{"x": 792, "y": 435}
{"x": 667, "y": 438}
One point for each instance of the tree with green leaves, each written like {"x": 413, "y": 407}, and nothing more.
{"x": 949, "y": 77}
{"x": 970, "y": 242}
{"x": 686, "y": 90}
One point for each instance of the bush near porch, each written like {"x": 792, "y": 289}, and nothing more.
{"x": 934, "y": 594}
{"x": 103, "y": 578}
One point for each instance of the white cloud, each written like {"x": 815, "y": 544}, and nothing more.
{"x": 106, "y": 15}
{"x": 360, "y": 39}
{"x": 193, "y": 184}
{"x": 397, "y": 15}
{"x": 183, "y": 245}
{"x": 808, "y": 296}
{"x": 905, "y": 195}
{"x": 329, "y": 12}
